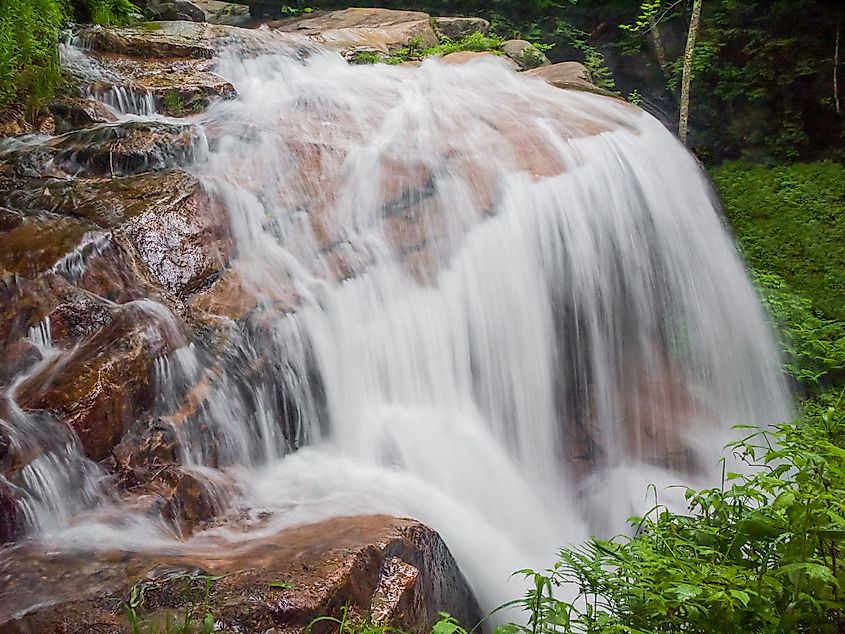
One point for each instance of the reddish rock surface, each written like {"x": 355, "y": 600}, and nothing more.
{"x": 395, "y": 571}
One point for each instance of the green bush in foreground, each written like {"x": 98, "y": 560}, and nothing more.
{"x": 760, "y": 553}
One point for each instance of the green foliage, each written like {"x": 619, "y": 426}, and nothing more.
{"x": 196, "y": 618}
{"x": 107, "y": 12}
{"x": 814, "y": 347}
{"x": 29, "y": 66}
{"x": 790, "y": 220}
{"x": 760, "y": 553}
{"x": 29, "y": 33}
{"x": 593, "y": 58}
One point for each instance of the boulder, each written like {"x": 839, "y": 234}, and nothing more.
{"x": 457, "y": 28}
{"x": 178, "y": 86}
{"x": 568, "y": 76}
{"x": 228, "y": 13}
{"x": 183, "y": 39}
{"x": 125, "y": 148}
{"x": 379, "y": 30}
{"x": 180, "y": 40}
{"x": 394, "y": 572}
{"x": 525, "y": 54}
{"x": 464, "y": 57}
{"x": 176, "y": 236}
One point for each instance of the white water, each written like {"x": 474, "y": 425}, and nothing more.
{"x": 514, "y": 261}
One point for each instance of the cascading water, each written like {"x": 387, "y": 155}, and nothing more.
{"x": 481, "y": 301}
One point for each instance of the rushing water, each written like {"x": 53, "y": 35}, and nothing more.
{"x": 495, "y": 306}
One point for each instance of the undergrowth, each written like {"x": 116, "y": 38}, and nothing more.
{"x": 29, "y": 34}
{"x": 790, "y": 220}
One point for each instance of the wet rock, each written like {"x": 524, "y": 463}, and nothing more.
{"x": 381, "y": 30}
{"x": 176, "y": 236}
{"x": 125, "y": 148}
{"x": 178, "y": 86}
{"x": 11, "y": 519}
{"x": 179, "y": 39}
{"x": 397, "y": 572}
{"x": 457, "y": 28}
{"x": 228, "y": 13}
{"x": 167, "y": 39}
{"x": 71, "y": 113}
{"x": 118, "y": 149}
{"x": 568, "y": 76}
{"x": 100, "y": 387}
{"x": 525, "y": 54}
{"x": 36, "y": 243}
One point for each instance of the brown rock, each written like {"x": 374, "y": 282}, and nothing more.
{"x": 100, "y": 387}
{"x": 37, "y": 243}
{"x": 398, "y": 572}
{"x": 464, "y": 57}
{"x": 179, "y": 86}
{"x": 525, "y": 54}
{"x": 166, "y": 231}
{"x": 569, "y": 76}
{"x": 165, "y": 39}
{"x": 126, "y": 148}
{"x": 382, "y": 30}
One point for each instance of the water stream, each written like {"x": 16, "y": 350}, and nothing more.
{"x": 492, "y": 305}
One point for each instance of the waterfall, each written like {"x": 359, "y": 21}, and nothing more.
{"x": 498, "y": 307}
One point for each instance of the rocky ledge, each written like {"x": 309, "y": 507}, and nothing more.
{"x": 382, "y": 569}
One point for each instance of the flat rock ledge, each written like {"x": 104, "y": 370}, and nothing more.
{"x": 388, "y": 570}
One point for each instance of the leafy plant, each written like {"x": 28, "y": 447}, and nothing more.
{"x": 814, "y": 347}
{"x": 29, "y": 33}
{"x": 197, "y": 616}
{"x": 760, "y": 553}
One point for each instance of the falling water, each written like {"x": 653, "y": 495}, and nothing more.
{"x": 481, "y": 301}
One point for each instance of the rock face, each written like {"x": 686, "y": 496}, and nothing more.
{"x": 395, "y": 572}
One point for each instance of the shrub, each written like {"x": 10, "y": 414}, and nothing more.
{"x": 760, "y": 553}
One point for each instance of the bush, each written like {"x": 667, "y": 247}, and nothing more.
{"x": 760, "y": 553}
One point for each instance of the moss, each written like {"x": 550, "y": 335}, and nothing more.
{"x": 475, "y": 42}
{"x": 173, "y": 103}
{"x": 790, "y": 220}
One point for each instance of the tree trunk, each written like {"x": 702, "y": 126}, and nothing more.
{"x": 683, "y": 120}
{"x": 659, "y": 51}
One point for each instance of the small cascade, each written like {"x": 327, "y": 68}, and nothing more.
{"x": 73, "y": 265}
